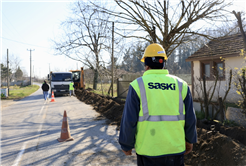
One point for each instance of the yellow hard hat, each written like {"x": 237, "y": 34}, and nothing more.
{"x": 154, "y": 50}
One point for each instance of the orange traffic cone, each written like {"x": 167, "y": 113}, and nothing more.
{"x": 52, "y": 97}
{"x": 65, "y": 131}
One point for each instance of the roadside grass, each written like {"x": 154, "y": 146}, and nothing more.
{"x": 102, "y": 89}
{"x": 17, "y": 92}
{"x": 235, "y": 105}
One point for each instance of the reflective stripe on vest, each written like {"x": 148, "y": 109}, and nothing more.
{"x": 147, "y": 117}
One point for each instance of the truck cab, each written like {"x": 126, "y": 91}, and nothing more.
{"x": 59, "y": 82}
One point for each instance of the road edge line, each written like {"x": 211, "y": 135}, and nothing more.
{"x": 17, "y": 160}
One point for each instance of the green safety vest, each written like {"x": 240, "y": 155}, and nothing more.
{"x": 160, "y": 127}
{"x": 71, "y": 86}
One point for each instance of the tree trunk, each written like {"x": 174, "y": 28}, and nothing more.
{"x": 239, "y": 21}
{"x": 205, "y": 97}
{"x": 221, "y": 107}
{"x": 244, "y": 90}
{"x": 95, "y": 79}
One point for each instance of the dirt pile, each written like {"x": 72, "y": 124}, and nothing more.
{"x": 238, "y": 133}
{"x": 216, "y": 149}
{"x": 217, "y": 145}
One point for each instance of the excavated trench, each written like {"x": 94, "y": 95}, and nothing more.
{"x": 217, "y": 145}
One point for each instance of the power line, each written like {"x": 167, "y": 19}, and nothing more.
{"x": 13, "y": 26}
{"x": 23, "y": 42}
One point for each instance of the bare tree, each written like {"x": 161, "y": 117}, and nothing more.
{"x": 205, "y": 93}
{"x": 240, "y": 75}
{"x": 240, "y": 25}
{"x": 14, "y": 64}
{"x": 172, "y": 20}
{"x": 87, "y": 33}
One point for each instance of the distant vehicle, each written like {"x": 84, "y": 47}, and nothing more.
{"x": 78, "y": 78}
{"x": 59, "y": 82}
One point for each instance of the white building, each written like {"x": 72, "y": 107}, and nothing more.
{"x": 218, "y": 56}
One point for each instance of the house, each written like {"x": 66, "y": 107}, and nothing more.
{"x": 218, "y": 56}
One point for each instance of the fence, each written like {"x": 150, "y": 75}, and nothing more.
{"x": 122, "y": 88}
{"x": 123, "y": 84}
{"x": 18, "y": 83}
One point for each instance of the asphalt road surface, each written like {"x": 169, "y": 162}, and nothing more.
{"x": 30, "y": 129}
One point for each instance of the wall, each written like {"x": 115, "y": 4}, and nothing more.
{"x": 230, "y": 63}
{"x": 18, "y": 83}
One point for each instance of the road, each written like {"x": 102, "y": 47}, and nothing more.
{"x": 30, "y": 128}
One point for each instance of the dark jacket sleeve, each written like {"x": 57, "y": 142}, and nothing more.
{"x": 190, "y": 119}
{"x": 129, "y": 120}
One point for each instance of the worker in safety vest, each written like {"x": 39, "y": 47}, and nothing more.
{"x": 158, "y": 118}
{"x": 71, "y": 89}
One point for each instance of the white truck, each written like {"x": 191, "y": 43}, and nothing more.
{"x": 59, "y": 82}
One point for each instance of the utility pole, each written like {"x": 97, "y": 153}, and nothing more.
{"x": 39, "y": 73}
{"x": 112, "y": 81}
{"x": 49, "y": 67}
{"x": 8, "y": 70}
{"x": 31, "y": 65}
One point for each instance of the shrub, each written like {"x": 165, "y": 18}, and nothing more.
{"x": 241, "y": 88}
{"x": 2, "y": 95}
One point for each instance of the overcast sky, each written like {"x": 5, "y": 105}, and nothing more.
{"x": 32, "y": 25}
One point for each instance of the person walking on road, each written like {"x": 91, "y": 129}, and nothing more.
{"x": 71, "y": 89}
{"x": 45, "y": 88}
{"x": 158, "y": 118}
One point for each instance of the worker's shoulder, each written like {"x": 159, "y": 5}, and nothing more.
{"x": 135, "y": 81}
{"x": 176, "y": 77}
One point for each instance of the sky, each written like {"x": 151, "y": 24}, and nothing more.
{"x": 33, "y": 25}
